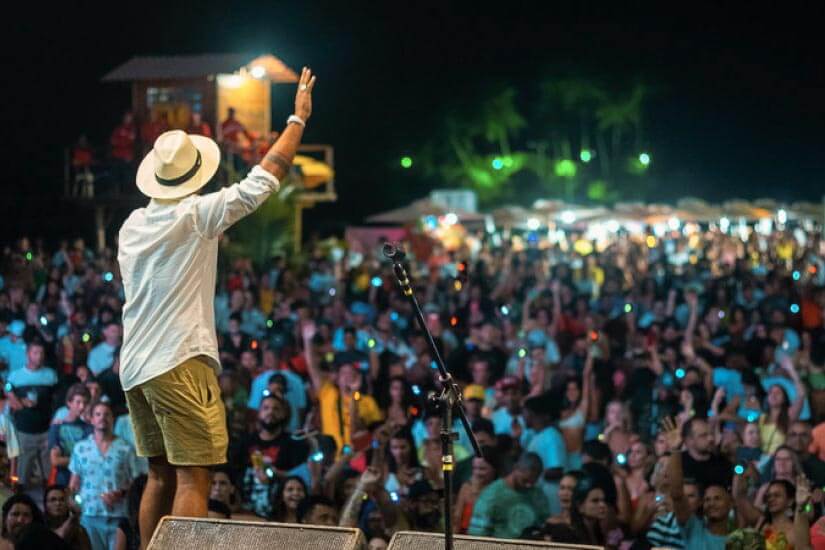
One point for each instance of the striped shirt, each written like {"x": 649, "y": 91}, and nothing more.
{"x": 665, "y": 532}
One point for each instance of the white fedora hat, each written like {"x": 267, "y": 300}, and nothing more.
{"x": 178, "y": 165}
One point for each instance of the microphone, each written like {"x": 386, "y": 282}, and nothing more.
{"x": 393, "y": 252}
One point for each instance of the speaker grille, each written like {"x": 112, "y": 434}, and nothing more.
{"x": 406, "y": 540}
{"x": 214, "y": 534}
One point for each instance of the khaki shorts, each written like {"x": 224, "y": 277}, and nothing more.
{"x": 180, "y": 415}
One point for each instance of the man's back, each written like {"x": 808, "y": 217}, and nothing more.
{"x": 503, "y": 512}
{"x": 168, "y": 255}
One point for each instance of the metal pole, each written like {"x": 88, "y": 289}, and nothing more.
{"x": 449, "y": 398}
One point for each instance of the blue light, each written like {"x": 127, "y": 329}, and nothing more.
{"x": 376, "y": 281}
{"x": 332, "y": 292}
{"x": 794, "y": 308}
{"x": 394, "y": 496}
{"x": 44, "y": 320}
{"x": 797, "y": 275}
{"x": 318, "y": 457}
{"x": 505, "y": 310}
{"x": 621, "y": 459}
{"x": 394, "y": 316}
{"x": 433, "y": 365}
{"x": 753, "y": 417}
{"x": 416, "y": 390}
{"x": 108, "y": 276}
{"x": 498, "y": 164}
{"x": 680, "y": 373}
{"x": 739, "y": 469}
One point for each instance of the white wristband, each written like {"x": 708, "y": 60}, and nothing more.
{"x": 297, "y": 120}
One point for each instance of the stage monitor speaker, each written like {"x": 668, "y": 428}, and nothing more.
{"x": 408, "y": 540}
{"x": 174, "y": 533}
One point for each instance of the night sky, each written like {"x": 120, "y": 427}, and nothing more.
{"x": 740, "y": 111}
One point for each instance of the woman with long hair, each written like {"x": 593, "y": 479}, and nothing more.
{"x": 19, "y": 512}
{"x": 617, "y": 433}
{"x": 574, "y": 414}
{"x": 484, "y": 473}
{"x": 638, "y": 469}
{"x": 751, "y": 448}
{"x": 288, "y": 498}
{"x": 780, "y": 412}
{"x": 785, "y": 467}
{"x": 587, "y": 511}
{"x": 567, "y": 485}
{"x": 403, "y": 467}
{"x": 396, "y": 401}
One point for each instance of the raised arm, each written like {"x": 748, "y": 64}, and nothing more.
{"x": 801, "y": 522}
{"x": 587, "y": 385}
{"x": 677, "y": 492}
{"x": 316, "y": 377}
{"x": 746, "y": 512}
{"x": 216, "y": 212}
{"x": 796, "y": 407}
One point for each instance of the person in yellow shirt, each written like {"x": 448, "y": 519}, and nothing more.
{"x": 346, "y": 411}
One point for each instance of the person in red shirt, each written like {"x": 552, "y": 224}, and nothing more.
{"x": 123, "y": 140}
{"x": 236, "y": 140}
{"x": 198, "y": 126}
{"x": 82, "y": 159}
{"x": 82, "y": 155}
{"x": 232, "y": 130}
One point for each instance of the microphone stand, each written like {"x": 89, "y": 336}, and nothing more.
{"x": 449, "y": 400}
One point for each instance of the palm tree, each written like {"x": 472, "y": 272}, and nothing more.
{"x": 500, "y": 119}
{"x": 617, "y": 117}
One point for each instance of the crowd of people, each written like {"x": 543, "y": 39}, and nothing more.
{"x": 667, "y": 391}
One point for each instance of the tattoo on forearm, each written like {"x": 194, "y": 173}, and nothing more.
{"x": 280, "y": 160}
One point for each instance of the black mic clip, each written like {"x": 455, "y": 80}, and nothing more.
{"x": 394, "y": 252}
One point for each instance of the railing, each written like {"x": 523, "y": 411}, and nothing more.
{"x": 110, "y": 180}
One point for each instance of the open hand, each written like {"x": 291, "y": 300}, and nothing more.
{"x": 673, "y": 434}
{"x": 370, "y": 478}
{"x": 803, "y": 490}
{"x": 303, "y": 97}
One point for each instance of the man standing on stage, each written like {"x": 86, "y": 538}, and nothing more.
{"x": 168, "y": 260}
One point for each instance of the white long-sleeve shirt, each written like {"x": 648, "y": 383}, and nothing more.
{"x": 168, "y": 256}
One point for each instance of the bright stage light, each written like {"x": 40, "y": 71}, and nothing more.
{"x": 258, "y": 71}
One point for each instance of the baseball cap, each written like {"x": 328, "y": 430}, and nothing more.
{"x": 474, "y": 391}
